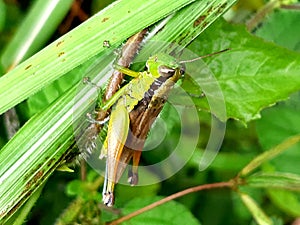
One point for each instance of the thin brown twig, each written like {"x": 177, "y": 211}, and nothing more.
{"x": 169, "y": 198}
{"x": 261, "y": 14}
{"x": 83, "y": 170}
{"x": 293, "y": 6}
{"x": 76, "y": 11}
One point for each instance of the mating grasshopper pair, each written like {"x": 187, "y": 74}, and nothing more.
{"x": 135, "y": 107}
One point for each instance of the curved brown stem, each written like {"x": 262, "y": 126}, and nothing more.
{"x": 169, "y": 198}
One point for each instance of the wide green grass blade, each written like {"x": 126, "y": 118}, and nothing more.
{"x": 113, "y": 24}
{"x": 182, "y": 29}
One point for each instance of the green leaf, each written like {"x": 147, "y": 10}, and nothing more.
{"x": 75, "y": 187}
{"x": 285, "y": 200}
{"x": 170, "y": 213}
{"x": 287, "y": 34}
{"x": 277, "y": 124}
{"x": 287, "y": 181}
{"x": 82, "y": 189}
{"x": 253, "y": 75}
{"x": 260, "y": 217}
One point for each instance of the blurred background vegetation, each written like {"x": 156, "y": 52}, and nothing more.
{"x": 75, "y": 197}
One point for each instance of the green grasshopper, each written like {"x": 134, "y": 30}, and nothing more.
{"x": 134, "y": 107}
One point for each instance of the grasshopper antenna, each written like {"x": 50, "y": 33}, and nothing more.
{"x": 218, "y": 127}
{"x": 204, "y": 56}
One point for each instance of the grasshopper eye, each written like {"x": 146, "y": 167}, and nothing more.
{"x": 166, "y": 71}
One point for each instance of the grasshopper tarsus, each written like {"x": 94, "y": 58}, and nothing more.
{"x": 108, "y": 199}
{"x": 133, "y": 177}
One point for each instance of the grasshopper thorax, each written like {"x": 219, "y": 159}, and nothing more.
{"x": 164, "y": 65}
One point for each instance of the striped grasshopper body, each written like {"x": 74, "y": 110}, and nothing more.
{"x": 135, "y": 106}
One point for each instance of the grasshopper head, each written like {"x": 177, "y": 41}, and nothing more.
{"x": 164, "y": 65}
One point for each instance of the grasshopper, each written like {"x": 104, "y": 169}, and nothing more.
{"x": 135, "y": 106}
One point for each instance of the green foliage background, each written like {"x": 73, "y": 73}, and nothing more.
{"x": 260, "y": 80}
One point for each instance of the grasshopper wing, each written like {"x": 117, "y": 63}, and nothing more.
{"x": 116, "y": 138}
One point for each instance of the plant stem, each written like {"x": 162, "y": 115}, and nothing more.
{"x": 169, "y": 198}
